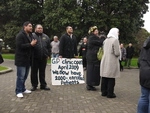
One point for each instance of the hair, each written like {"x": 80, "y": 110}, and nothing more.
{"x": 37, "y": 25}
{"x": 92, "y": 29}
{"x": 68, "y": 27}
{"x": 26, "y": 23}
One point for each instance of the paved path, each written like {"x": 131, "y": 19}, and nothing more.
{"x": 69, "y": 98}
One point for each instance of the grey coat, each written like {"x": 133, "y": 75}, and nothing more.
{"x": 110, "y": 67}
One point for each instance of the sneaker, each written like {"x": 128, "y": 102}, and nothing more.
{"x": 27, "y": 91}
{"x": 20, "y": 95}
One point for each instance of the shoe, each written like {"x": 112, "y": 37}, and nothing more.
{"x": 27, "y": 91}
{"x": 20, "y": 95}
{"x": 90, "y": 88}
{"x": 45, "y": 88}
{"x": 33, "y": 88}
{"x": 104, "y": 94}
{"x": 111, "y": 96}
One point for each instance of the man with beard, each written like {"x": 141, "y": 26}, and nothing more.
{"x": 68, "y": 44}
{"x": 23, "y": 54}
{"x": 41, "y": 54}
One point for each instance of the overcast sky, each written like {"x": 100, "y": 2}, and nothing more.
{"x": 147, "y": 20}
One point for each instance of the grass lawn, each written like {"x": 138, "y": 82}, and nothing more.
{"x": 12, "y": 56}
{"x": 8, "y": 56}
{"x": 133, "y": 62}
{"x": 3, "y": 68}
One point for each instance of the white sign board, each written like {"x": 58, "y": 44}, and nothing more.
{"x": 66, "y": 71}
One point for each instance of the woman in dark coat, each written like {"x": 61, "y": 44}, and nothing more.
{"x": 93, "y": 64}
{"x": 83, "y": 51}
{"x": 144, "y": 64}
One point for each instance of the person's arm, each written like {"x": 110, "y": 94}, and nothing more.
{"x": 20, "y": 42}
{"x": 49, "y": 47}
{"x": 75, "y": 47}
{"x": 61, "y": 46}
{"x": 116, "y": 48}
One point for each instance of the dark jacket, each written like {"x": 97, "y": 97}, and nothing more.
{"x": 144, "y": 63}
{"x": 68, "y": 46}
{"x": 130, "y": 52}
{"x": 42, "y": 48}
{"x": 94, "y": 42}
{"x": 83, "y": 49}
{"x": 23, "y": 49}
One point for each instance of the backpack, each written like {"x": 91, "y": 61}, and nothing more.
{"x": 100, "y": 53}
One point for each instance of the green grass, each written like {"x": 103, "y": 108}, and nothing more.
{"x": 133, "y": 62}
{"x": 8, "y": 56}
{"x": 3, "y": 68}
{"x": 12, "y": 56}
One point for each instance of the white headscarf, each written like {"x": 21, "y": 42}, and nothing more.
{"x": 114, "y": 32}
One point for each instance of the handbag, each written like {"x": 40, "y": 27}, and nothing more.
{"x": 1, "y": 59}
{"x": 100, "y": 53}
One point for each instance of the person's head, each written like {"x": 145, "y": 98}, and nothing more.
{"x": 114, "y": 32}
{"x": 84, "y": 39}
{"x": 39, "y": 28}
{"x": 69, "y": 29}
{"x": 93, "y": 30}
{"x": 27, "y": 27}
{"x": 121, "y": 45}
{"x": 55, "y": 38}
{"x": 130, "y": 44}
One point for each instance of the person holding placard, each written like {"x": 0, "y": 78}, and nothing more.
{"x": 68, "y": 44}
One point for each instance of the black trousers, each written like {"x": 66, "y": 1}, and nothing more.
{"x": 84, "y": 61}
{"x": 121, "y": 66}
{"x": 107, "y": 86}
{"x": 38, "y": 65}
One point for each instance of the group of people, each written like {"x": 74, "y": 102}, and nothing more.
{"x": 126, "y": 55}
{"x": 33, "y": 49}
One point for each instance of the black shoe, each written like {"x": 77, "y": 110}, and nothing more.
{"x": 104, "y": 94}
{"x": 33, "y": 88}
{"x": 111, "y": 96}
{"x": 45, "y": 88}
{"x": 90, "y": 88}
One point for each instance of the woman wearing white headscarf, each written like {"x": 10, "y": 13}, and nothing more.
{"x": 110, "y": 68}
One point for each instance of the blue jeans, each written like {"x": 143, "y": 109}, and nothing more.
{"x": 144, "y": 101}
{"x": 22, "y": 74}
{"x": 55, "y": 55}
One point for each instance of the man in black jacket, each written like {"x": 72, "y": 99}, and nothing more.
{"x": 24, "y": 45}
{"x": 41, "y": 54}
{"x": 68, "y": 44}
{"x": 129, "y": 55}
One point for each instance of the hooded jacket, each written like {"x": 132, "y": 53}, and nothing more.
{"x": 144, "y": 63}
